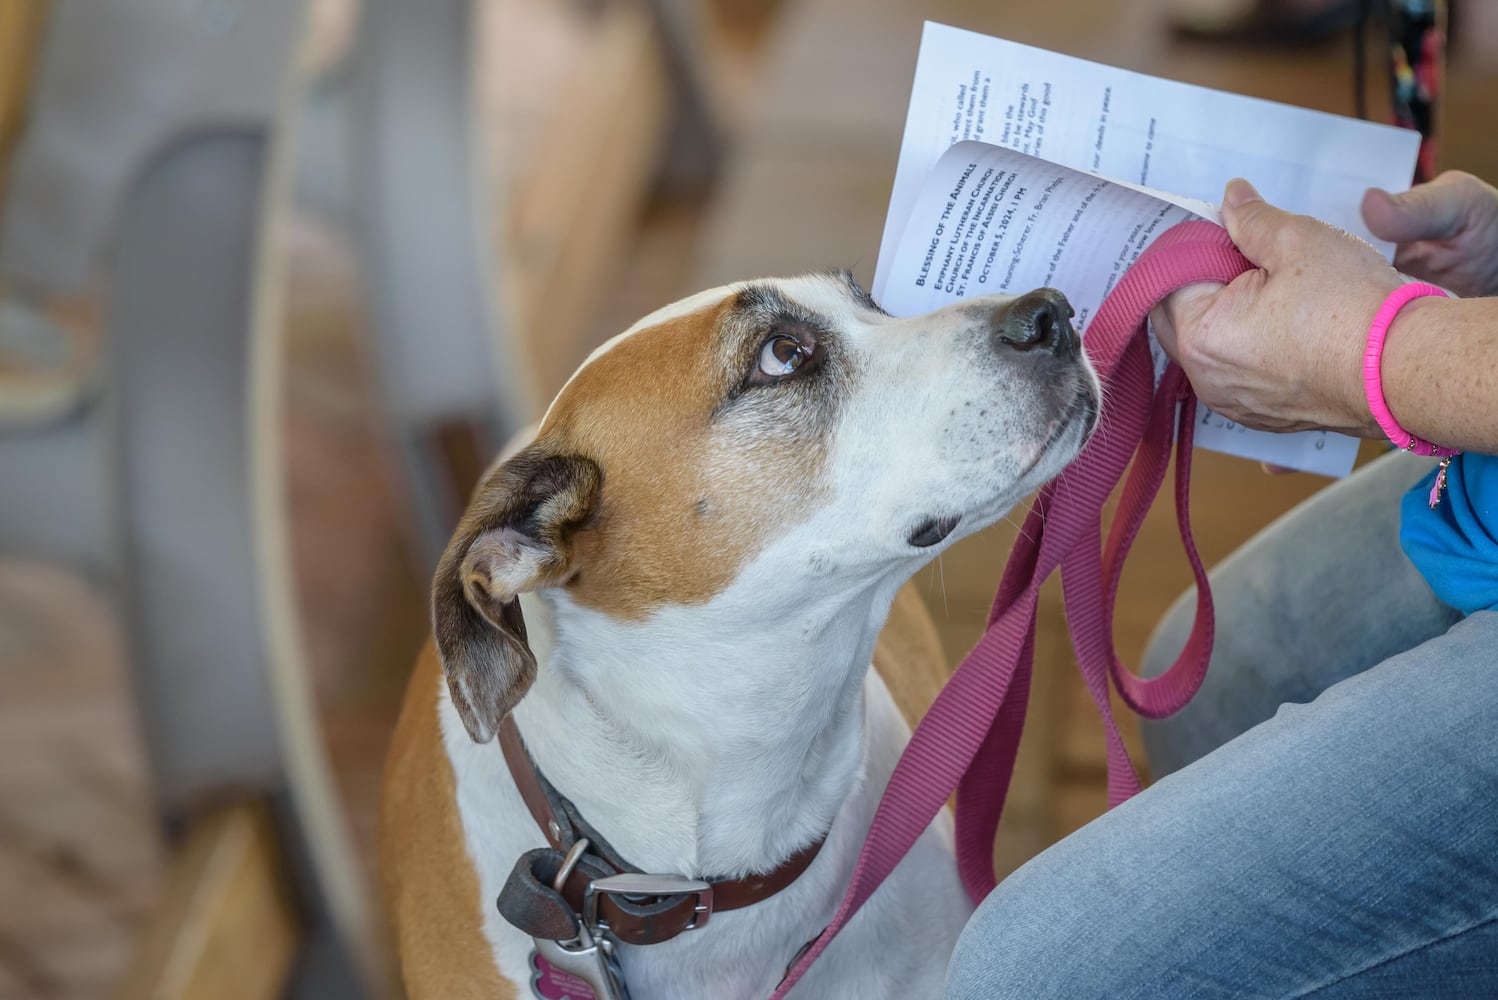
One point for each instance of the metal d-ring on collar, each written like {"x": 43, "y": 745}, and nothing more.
{"x": 569, "y": 863}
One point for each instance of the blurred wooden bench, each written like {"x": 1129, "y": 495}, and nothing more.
{"x": 227, "y": 924}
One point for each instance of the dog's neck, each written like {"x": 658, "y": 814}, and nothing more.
{"x": 711, "y": 740}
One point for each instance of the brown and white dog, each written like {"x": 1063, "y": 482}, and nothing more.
{"x": 706, "y": 536}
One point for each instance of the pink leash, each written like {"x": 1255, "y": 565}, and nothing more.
{"x": 968, "y": 739}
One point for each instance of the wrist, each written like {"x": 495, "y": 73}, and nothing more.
{"x": 1350, "y": 360}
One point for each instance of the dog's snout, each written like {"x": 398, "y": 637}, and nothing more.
{"x": 1036, "y": 320}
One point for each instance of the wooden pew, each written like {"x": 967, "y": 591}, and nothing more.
{"x": 226, "y": 924}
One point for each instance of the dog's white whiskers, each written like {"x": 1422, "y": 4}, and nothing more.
{"x": 942, "y": 575}
{"x": 1019, "y": 527}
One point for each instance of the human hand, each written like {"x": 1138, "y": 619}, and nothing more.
{"x": 1281, "y": 347}
{"x": 1446, "y": 231}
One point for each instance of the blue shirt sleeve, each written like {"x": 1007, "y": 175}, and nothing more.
{"x": 1454, "y": 545}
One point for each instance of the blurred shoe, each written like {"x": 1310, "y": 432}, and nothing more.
{"x": 1285, "y": 22}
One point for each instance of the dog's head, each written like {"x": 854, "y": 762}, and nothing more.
{"x": 788, "y": 424}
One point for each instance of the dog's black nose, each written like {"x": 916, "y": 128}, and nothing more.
{"x": 1039, "y": 319}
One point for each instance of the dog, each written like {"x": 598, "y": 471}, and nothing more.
{"x": 673, "y": 596}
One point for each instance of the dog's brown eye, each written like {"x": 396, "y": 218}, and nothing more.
{"x": 781, "y": 355}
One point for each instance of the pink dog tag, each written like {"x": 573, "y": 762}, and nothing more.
{"x": 550, "y": 983}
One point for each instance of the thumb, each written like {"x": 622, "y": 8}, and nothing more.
{"x": 1426, "y": 212}
{"x": 1253, "y": 223}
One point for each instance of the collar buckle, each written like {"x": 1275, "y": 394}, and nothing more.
{"x": 644, "y": 884}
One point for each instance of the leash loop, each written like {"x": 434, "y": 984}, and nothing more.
{"x": 970, "y": 736}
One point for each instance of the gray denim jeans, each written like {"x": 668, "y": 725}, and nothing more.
{"x": 1327, "y": 819}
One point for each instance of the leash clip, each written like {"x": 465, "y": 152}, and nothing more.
{"x": 589, "y": 958}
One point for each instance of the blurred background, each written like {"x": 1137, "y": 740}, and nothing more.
{"x": 277, "y": 278}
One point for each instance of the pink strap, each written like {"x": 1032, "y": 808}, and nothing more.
{"x": 968, "y": 739}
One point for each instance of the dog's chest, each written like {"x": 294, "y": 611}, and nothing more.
{"x": 897, "y": 947}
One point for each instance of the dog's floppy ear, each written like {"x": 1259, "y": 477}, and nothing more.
{"x": 515, "y": 536}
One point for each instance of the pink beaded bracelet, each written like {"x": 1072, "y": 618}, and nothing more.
{"x": 1373, "y": 385}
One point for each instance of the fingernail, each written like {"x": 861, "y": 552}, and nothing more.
{"x": 1239, "y": 192}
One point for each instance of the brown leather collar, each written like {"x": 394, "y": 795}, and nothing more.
{"x": 529, "y": 902}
